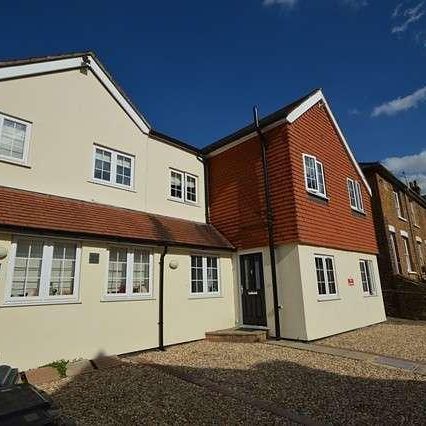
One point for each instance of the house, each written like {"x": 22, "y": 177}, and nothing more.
{"x": 399, "y": 213}
{"x": 117, "y": 238}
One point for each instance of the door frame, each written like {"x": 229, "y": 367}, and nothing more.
{"x": 260, "y": 250}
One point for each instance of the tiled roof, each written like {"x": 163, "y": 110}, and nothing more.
{"x": 34, "y": 211}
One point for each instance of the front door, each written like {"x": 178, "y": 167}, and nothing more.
{"x": 253, "y": 289}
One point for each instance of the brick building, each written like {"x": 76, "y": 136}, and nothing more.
{"x": 400, "y": 220}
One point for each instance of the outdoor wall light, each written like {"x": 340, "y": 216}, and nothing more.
{"x": 3, "y": 252}
{"x": 173, "y": 264}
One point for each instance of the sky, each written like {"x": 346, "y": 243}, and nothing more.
{"x": 196, "y": 68}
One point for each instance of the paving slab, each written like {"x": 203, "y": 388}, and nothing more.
{"x": 79, "y": 367}
{"x": 395, "y": 363}
{"x": 42, "y": 375}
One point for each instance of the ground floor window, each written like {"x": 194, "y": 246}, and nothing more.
{"x": 407, "y": 254}
{"x": 43, "y": 270}
{"x": 129, "y": 273}
{"x": 204, "y": 275}
{"x": 394, "y": 252}
{"x": 326, "y": 277}
{"x": 367, "y": 277}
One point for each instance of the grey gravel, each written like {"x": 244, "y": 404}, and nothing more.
{"x": 401, "y": 339}
{"x": 327, "y": 388}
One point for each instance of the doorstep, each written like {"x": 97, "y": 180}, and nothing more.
{"x": 238, "y": 335}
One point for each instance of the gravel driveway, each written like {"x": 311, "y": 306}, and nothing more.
{"x": 398, "y": 338}
{"x": 326, "y": 388}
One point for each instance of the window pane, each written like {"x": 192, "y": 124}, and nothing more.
{"x": 351, "y": 190}
{"x": 117, "y": 271}
{"x": 176, "y": 184}
{"x": 364, "y": 278}
{"x": 319, "y": 264}
{"x": 102, "y": 165}
{"x": 27, "y": 270}
{"x": 320, "y": 175}
{"x": 197, "y": 274}
{"x": 212, "y": 275}
{"x": 124, "y": 170}
{"x": 12, "y": 139}
{"x": 191, "y": 188}
{"x": 311, "y": 173}
{"x": 330, "y": 276}
{"x": 63, "y": 269}
{"x": 141, "y": 272}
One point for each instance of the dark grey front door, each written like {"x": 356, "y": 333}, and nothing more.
{"x": 253, "y": 289}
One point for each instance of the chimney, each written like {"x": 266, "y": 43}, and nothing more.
{"x": 415, "y": 187}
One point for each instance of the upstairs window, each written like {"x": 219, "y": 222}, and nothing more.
{"x": 14, "y": 139}
{"x": 113, "y": 168}
{"x": 367, "y": 277}
{"x": 394, "y": 252}
{"x": 183, "y": 187}
{"x": 413, "y": 212}
{"x": 355, "y": 195}
{"x": 326, "y": 277}
{"x": 398, "y": 205}
{"x": 314, "y": 175}
{"x": 44, "y": 271}
{"x": 407, "y": 253}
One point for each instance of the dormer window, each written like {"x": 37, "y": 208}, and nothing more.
{"x": 14, "y": 139}
{"x": 314, "y": 176}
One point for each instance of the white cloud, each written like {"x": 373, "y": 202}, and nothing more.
{"x": 411, "y": 15}
{"x": 354, "y": 111}
{"x": 413, "y": 167}
{"x": 287, "y": 3}
{"x": 400, "y": 104}
{"x": 397, "y": 10}
{"x": 356, "y": 3}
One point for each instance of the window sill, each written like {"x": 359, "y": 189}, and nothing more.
{"x": 111, "y": 185}
{"x": 417, "y": 226}
{"x": 187, "y": 203}
{"x": 402, "y": 218}
{"x": 328, "y": 298}
{"x": 318, "y": 195}
{"x": 205, "y": 296}
{"x": 15, "y": 162}
{"x": 357, "y": 211}
{"x": 126, "y": 298}
{"x": 412, "y": 272}
{"x": 13, "y": 303}
{"x": 369, "y": 295}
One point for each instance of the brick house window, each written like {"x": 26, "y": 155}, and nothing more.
{"x": 326, "y": 277}
{"x": 355, "y": 195}
{"x": 43, "y": 271}
{"x": 367, "y": 277}
{"x": 314, "y": 176}
{"x": 398, "y": 205}
{"x": 407, "y": 254}
{"x": 394, "y": 252}
{"x": 413, "y": 213}
{"x": 419, "y": 245}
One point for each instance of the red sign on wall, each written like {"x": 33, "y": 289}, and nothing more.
{"x": 351, "y": 282}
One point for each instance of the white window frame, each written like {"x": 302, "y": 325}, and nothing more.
{"x": 318, "y": 176}
{"x": 394, "y": 249}
{"x": 327, "y": 295}
{"x": 369, "y": 273}
{"x": 398, "y": 206}
{"x": 205, "y": 294}
{"x": 113, "y": 171}
{"x": 355, "y": 186}
{"x": 24, "y": 160}
{"x": 413, "y": 212}
{"x": 46, "y": 269}
{"x": 407, "y": 255}
{"x": 129, "y": 295}
{"x": 419, "y": 244}
{"x": 184, "y": 197}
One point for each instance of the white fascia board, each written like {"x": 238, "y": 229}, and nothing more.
{"x": 308, "y": 104}
{"x": 54, "y": 65}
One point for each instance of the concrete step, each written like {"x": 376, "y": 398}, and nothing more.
{"x": 238, "y": 335}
